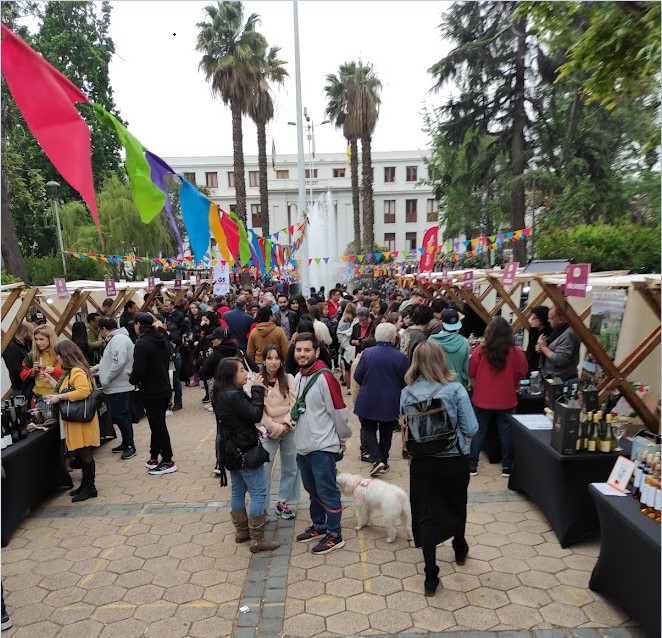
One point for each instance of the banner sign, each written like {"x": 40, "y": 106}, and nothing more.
{"x": 61, "y": 288}
{"x": 110, "y": 287}
{"x": 429, "y": 248}
{"x": 509, "y": 273}
{"x": 150, "y": 284}
{"x": 178, "y": 283}
{"x": 576, "y": 279}
{"x": 222, "y": 278}
{"x": 469, "y": 280}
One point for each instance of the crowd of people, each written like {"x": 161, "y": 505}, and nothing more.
{"x": 272, "y": 367}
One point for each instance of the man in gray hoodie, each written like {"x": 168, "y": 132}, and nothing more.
{"x": 114, "y": 370}
{"x": 319, "y": 437}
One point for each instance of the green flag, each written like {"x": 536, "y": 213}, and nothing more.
{"x": 244, "y": 250}
{"x": 148, "y": 197}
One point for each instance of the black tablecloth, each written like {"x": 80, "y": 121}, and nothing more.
{"x": 526, "y": 404}
{"x": 628, "y": 568}
{"x": 558, "y": 484}
{"x": 33, "y": 467}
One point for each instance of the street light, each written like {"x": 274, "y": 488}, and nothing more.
{"x": 53, "y": 187}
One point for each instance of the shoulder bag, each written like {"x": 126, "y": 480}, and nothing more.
{"x": 299, "y": 406}
{"x": 82, "y": 411}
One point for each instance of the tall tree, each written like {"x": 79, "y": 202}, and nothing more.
{"x": 261, "y": 111}
{"x": 231, "y": 50}
{"x": 337, "y": 94}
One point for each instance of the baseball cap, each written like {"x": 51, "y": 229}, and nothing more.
{"x": 450, "y": 320}
{"x": 143, "y": 318}
{"x": 220, "y": 333}
{"x": 241, "y": 301}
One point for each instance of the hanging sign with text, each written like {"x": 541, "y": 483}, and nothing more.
{"x": 576, "y": 279}
{"x": 469, "y": 280}
{"x": 150, "y": 284}
{"x": 509, "y": 273}
{"x": 222, "y": 278}
{"x": 61, "y": 288}
{"x": 110, "y": 287}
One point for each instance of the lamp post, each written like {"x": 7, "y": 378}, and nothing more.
{"x": 53, "y": 187}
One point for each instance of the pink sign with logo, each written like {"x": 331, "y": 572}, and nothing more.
{"x": 178, "y": 283}
{"x": 61, "y": 288}
{"x": 110, "y": 288}
{"x": 150, "y": 284}
{"x": 469, "y": 280}
{"x": 444, "y": 276}
{"x": 576, "y": 280}
{"x": 509, "y": 273}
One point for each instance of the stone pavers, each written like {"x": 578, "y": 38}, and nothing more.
{"x": 155, "y": 556}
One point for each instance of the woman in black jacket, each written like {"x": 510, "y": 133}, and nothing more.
{"x": 236, "y": 416}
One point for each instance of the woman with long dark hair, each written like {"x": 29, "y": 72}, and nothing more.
{"x": 496, "y": 367}
{"x": 76, "y": 384}
{"x": 434, "y": 404}
{"x": 278, "y": 401}
{"x": 539, "y": 323}
{"x": 79, "y": 337}
{"x": 236, "y": 416}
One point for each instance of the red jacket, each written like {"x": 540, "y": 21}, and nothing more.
{"x": 497, "y": 390}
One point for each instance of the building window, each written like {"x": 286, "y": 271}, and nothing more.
{"x": 257, "y": 220}
{"x": 430, "y": 172}
{"x": 253, "y": 178}
{"x": 308, "y": 173}
{"x": 389, "y": 241}
{"x": 233, "y": 208}
{"x": 431, "y": 211}
{"x": 190, "y": 177}
{"x": 410, "y": 239}
{"x": 231, "y": 182}
{"x": 339, "y": 172}
{"x": 389, "y": 211}
{"x": 389, "y": 173}
{"x": 211, "y": 180}
{"x": 283, "y": 174}
{"x": 412, "y": 172}
{"x": 410, "y": 210}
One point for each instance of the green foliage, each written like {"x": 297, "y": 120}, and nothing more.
{"x": 42, "y": 270}
{"x": 633, "y": 247}
{"x": 7, "y": 278}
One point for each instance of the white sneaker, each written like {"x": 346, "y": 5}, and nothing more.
{"x": 210, "y": 408}
{"x": 169, "y": 412}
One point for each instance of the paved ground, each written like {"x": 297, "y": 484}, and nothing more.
{"x": 155, "y": 556}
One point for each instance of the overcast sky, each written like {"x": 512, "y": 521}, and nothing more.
{"x": 167, "y": 103}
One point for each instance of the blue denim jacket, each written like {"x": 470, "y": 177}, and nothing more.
{"x": 457, "y": 403}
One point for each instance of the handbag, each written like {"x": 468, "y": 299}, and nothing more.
{"x": 82, "y": 411}
{"x": 236, "y": 459}
{"x": 436, "y": 433}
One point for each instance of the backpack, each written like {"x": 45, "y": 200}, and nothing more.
{"x": 299, "y": 406}
{"x": 427, "y": 428}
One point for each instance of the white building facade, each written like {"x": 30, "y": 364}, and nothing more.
{"x": 404, "y": 207}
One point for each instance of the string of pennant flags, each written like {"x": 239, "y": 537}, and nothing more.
{"x": 455, "y": 249}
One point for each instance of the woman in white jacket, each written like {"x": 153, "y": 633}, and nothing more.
{"x": 278, "y": 401}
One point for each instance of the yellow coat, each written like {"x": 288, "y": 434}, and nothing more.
{"x": 80, "y": 435}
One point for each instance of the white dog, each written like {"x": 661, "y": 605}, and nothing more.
{"x": 371, "y": 495}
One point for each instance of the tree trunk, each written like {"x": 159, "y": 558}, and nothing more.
{"x": 517, "y": 204}
{"x": 239, "y": 170}
{"x": 262, "y": 164}
{"x": 356, "y": 199}
{"x": 368, "y": 204}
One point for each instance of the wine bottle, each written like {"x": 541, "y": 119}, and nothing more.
{"x": 654, "y": 487}
{"x": 607, "y": 442}
{"x": 638, "y": 474}
{"x": 658, "y": 495}
{"x": 645, "y": 486}
{"x": 581, "y": 432}
{"x": 587, "y": 430}
{"x": 594, "y": 439}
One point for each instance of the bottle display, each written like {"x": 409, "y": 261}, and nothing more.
{"x": 581, "y": 433}
{"x": 638, "y": 474}
{"x": 594, "y": 437}
{"x": 607, "y": 440}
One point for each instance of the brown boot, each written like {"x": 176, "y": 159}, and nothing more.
{"x": 240, "y": 520}
{"x": 256, "y": 528}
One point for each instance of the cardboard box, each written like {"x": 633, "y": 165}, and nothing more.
{"x": 565, "y": 428}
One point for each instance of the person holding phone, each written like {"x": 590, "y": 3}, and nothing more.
{"x": 361, "y": 329}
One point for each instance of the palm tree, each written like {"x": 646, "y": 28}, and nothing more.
{"x": 261, "y": 110}
{"x": 231, "y": 50}
{"x": 337, "y": 91}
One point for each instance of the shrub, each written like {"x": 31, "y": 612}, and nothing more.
{"x": 42, "y": 270}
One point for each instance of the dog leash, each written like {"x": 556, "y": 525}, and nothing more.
{"x": 364, "y": 483}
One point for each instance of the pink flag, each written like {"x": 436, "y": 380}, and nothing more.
{"x": 427, "y": 257}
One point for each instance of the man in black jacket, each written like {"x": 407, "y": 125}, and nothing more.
{"x": 151, "y": 362}
{"x": 287, "y": 319}
{"x": 15, "y": 352}
{"x": 126, "y": 319}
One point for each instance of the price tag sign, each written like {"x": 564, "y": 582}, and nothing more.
{"x": 509, "y": 273}
{"x": 178, "y": 283}
{"x": 469, "y": 280}
{"x": 576, "y": 279}
{"x": 110, "y": 288}
{"x": 150, "y": 284}
{"x": 61, "y": 288}
{"x": 621, "y": 474}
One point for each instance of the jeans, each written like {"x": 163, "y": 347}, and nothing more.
{"x": 159, "y": 443}
{"x": 318, "y": 473}
{"x": 176, "y": 381}
{"x": 378, "y": 450}
{"x": 253, "y": 482}
{"x": 288, "y": 489}
{"x": 120, "y": 413}
{"x": 484, "y": 418}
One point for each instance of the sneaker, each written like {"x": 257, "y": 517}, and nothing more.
{"x": 473, "y": 472}
{"x": 405, "y": 454}
{"x": 151, "y": 464}
{"x": 385, "y": 469}
{"x": 210, "y": 408}
{"x": 217, "y": 470}
{"x": 5, "y": 621}
{"x": 284, "y": 511}
{"x": 169, "y": 413}
{"x": 163, "y": 468}
{"x": 377, "y": 468}
{"x": 129, "y": 453}
{"x": 311, "y": 534}
{"x": 206, "y": 400}
{"x": 120, "y": 448}
{"x": 365, "y": 457}
{"x": 328, "y": 544}
{"x": 505, "y": 472}
{"x": 176, "y": 407}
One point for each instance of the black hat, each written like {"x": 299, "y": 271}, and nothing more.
{"x": 143, "y": 318}
{"x": 221, "y": 333}
{"x": 450, "y": 320}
